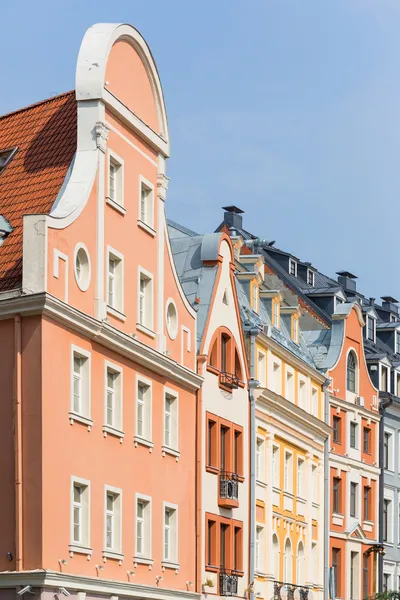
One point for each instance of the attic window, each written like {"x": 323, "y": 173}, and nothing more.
{"x": 292, "y": 267}
{"x": 5, "y": 157}
{"x": 371, "y": 329}
{"x": 397, "y": 344}
{"x": 310, "y": 278}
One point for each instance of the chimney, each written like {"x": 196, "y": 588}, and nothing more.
{"x": 233, "y": 216}
{"x": 372, "y": 301}
{"x": 347, "y": 280}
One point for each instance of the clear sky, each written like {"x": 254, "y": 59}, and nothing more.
{"x": 289, "y": 109}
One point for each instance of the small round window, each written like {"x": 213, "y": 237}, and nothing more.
{"x": 82, "y": 267}
{"x": 172, "y": 319}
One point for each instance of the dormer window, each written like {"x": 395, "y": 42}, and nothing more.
{"x": 295, "y": 329}
{"x": 370, "y": 329}
{"x": 292, "y": 267}
{"x": 310, "y": 278}
{"x": 5, "y": 157}
{"x": 275, "y": 313}
{"x": 397, "y": 342}
{"x": 393, "y": 318}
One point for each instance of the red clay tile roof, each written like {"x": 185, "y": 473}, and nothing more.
{"x": 45, "y": 134}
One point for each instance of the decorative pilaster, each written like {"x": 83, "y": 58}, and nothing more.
{"x": 162, "y": 186}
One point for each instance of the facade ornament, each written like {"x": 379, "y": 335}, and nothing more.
{"x": 162, "y": 186}
{"x": 102, "y": 132}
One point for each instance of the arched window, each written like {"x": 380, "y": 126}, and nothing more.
{"x": 275, "y": 555}
{"x": 300, "y": 564}
{"x": 351, "y": 371}
{"x": 287, "y": 564}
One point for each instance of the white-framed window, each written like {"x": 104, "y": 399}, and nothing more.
{"x": 262, "y": 368}
{"x": 302, "y": 400}
{"x": 170, "y": 534}
{"x": 255, "y": 297}
{"x": 292, "y": 267}
{"x": 143, "y": 408}
{"x": 259, "y": 554}
{"x": 370, "y": 328}
{"x": 314, "y": 484}
{"x": 260, "y": 460}
{"x": 115, "y": 194}
{"x": 288, "y": 472}
{"x": 82, "y": 267}
{"x": 80, "y": 385}
{"x": 115, "y": 280}
{"x": 295, "y": 330}
{"x": 170, "y": 420}
{"x": 276, "y": 375}
{"x": 275, "y": 466}
{"x": 80, "y": 515}
{"x": 310, "y": 277}
{"x": 388, "y": 450}
{"x": 314, "y": 402}
{"x": 145, "y": 299}
{"x": 113, "y": 399}
{"x": 276, "y": 313}
{"x": 300, "y": 478}
{"x": 289, "y": 385}
{"x": 143, "y": 547}
{"x": 146, "y": 203}
{"x": 112, "y": 521}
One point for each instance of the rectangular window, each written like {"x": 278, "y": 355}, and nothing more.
{"x": 354, "y": 576}
{"x": 365, "y": 576}
{"x": 336, "y": 500}
{"x": 302, "y": 394}
{"x": 223, "y": 545}
{"x": 238, "y": 548}
{"x": 384, "y": 379}
{"x": 388, "y": 451}
{"x": 170, "y": 535}
{"x": 145, "y": 314}
{"x": 336, "y": 426}
{"x": 262, "y": 369}
{"x": 275, "y": 467}
{"x": 224, "y": 448}
{"x": 288, "y": 473}
{"x": 115, "y": 281}
{"x": 367, "y": 502}
{"x": 290, "y": 386}
{"x": 80, "y": 388}
{"x": 212, "y": 443}
{"x": 113, "y": 408}
{"x": 300, "y": 477}
{"x": 113, "y": 515}
{"x": 353, "y": 499}
{"x": 277, "y": 378}
{"x": 143, "y": 410}
{"x": 260, "y": 459}
{"x": 371, "y": 328}
{"x": 238, "y": 452}
{"x": 385, "y": 527}
{"x": 366, "y": 438}
{"x": 143, "y": 527}
{"x": 386, "y": 582}
{"x": 115, "y": 179}
{"x": 314, "y": 486}
{"x": 255, "y": 297}
{"x": 310, "y": 278}
{"x": 171, "y": 420}
{"x": 146, "y": 207}
{"x": 259, "y": 549}
{"x": 292, "y": 267}
{"x": 295, "y": 330}
{"x": 80, "y": 513}
{"x": 314, "y": 402}
{"x": 397, "y": 342}
{"x": 276, "y": 314}
{"x": 211, "y": 542}
{"x": 353, "y": 434}
{"x": 336, "y": 570}
{"x": 398, "y": 384}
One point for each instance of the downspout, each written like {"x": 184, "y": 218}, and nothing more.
{"x": 253, "y": 383}
{"x": 326, "y": 495}
{"x": 386, "y": 400}
{"x": 199, "y": 518}
{"x": 17, "y": 424}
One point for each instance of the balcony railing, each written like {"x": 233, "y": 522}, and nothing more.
{"x": 229, "y": 380}
{"x": 290, "y": 591}
{"x": 229, "y": 485}
{"x": 228, "y": 583}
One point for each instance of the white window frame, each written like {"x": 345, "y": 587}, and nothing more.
{"x": 288, "y": 472}
{"x": 116, "y": 550}
{"x": 391, "y": 463}
{"x": 145, "y": 557}
{"x": 146, "y": 326}
{"x": 315, "y": 401}
{"x": 171, "y": 448}
{"x": 173, "y": 560}
{"x": 312, "y": 273}
{"x": 117, "y": 427}
{"x": 84, "y": 415}
{"x": 146, "y": 437}
{"x": 117, "y": 309}
{"x": 276, "y": 313}
{"x": 148, "y": 223}
{"x": 276, "y": 380}
{"x": 292, "y": 263}
{"x": 276, "y": 470}
{"x": 83, "y": 545}
{"x": 118, "y": 201}
{"x": 289, "y": 377}
{"x": 255, "y": 293}
{"x": 301, "y": 476}
{"x": 259, "y": 548}
{"x": 260, "y": 458}
{"x": 302, "y": 396}
{"x": 262, "y": 366}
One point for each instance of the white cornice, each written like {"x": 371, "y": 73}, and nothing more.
{"x": 346, "y": 462}
{"x": 103, "y": 333}
{"x": 348, "y": 406}
{"x": 53, "y": 579}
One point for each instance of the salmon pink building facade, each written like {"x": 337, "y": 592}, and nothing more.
{"x": 98, "y": 358}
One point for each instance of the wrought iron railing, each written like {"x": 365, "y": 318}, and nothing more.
{"x": 229, "y": 380}
{"x": 228, "y": 583}
{"x": 290, "y": 591}
{"x": 229, "y": 485}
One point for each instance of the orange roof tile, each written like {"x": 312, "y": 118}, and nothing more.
{"x": 45, "y": 134}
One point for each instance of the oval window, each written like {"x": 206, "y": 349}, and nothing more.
{"x": 172, "y": 319}
{"x": 82, "y": 267}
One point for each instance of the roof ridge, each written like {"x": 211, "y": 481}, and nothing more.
{"x": 19, "y": 110}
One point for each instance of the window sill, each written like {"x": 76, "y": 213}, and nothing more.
{"x": 337, "y": 519}
{"x": 143, "y": 442}
{"x": 115, "y": 205}
{"x": 116, "y": 313}
{"x": 146, "y": 228}
{"x": 261, "y": 483}
{"x": 113, "y": 555}
{"x": 78, "y": 549}
{"x": 142, "y": 560}
{"x": 167, "y": 564}
{"x": 288, "y": 494}
{"x": 171, "y": 451}
{"x": 107, "y": 429}
{"x": 145, "y": 330}
{"x": 76, "y": 417}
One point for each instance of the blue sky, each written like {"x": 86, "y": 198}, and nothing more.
{"x": 288, "y": 109}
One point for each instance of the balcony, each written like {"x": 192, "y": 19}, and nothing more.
{"x": 228, "y": 490}
{"x": 290, "y": 591}
{"x": 228, "y": 583}
{"x": 229, "y": 380}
